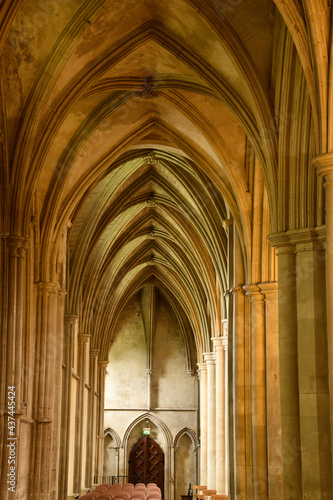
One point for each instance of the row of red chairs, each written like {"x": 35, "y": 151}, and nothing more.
{"x": 140, "y": 491}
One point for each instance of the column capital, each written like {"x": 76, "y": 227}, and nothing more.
{"x": 16, "y": 241}
{"x": 202, "y": 367}
{"x": 190, "y": 373}
{"x": 102, "y": 364}
{"x": 220, "y": 343}
{"x": 83, "y": 338}
{"x": 47, "y": 287}
{"x": 209, "y": 358}
{"x": 324, "y": 165}
{"x": 306, "y": 239}
{"x": 281, "y": 241}
{"x": 149, "y": 371}
{"x": 269, "y": 289}
{"x": 71, "y": 318}
{"x": 94, "y": 352}
{"x": 254, "y": 292}
{"x": 237, "y": 289}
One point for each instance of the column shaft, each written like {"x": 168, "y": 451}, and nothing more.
{"x": 238, "y": 391}
{"x": 70, "y": 324}
{"x": 12, "y": 370}
{"x": 220, "y": 346}
{"x": 312, "y": 364}
{"x": 203, "y": 422}
{"x": 324, "y": 166}
{"x": 78, "y": 481}
{"x": 274, "y": 445}
{"x": 258, "y": 375}
{"x": 91, "y": 437}
{"x": 46, "y": 340}
{"x": 211, "y": 420}
{"x": 288, "y": 364}
{"x": 100, "y": 455}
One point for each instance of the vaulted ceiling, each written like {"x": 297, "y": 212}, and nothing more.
{"x": 143, "y": 126}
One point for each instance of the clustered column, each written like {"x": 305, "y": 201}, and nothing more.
{"x": 258, "y": 374}
{"x": 203, "y": 422}
{"x": 304, "y": 364}
{"x": 213, "y": 457}
{"x": 46, "y": 347}
{"x": 13, "y": 283}
{"x": 211, "y": 420}
{"x": 100, "y": 452}
{"x": 220, "y": 344}
{"x": 324, "y": 166}
{"x": 83, "y": 340}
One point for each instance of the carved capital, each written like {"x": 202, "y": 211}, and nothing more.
{"x": 210, "y": 358}
{"x": 269, "y": 289}
{"x": 253, "y": 291}
{"x": 324, "y": 166}
{"x": 83, "y": 338}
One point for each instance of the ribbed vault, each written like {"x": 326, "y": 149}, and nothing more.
{"x": 154, "y": 219}
{"x": 146, "y": 126}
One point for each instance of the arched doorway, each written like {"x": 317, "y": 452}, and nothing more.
{"x": 146, "y": 463}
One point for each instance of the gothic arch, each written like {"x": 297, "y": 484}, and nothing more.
{"x": 168, "y": 445}
{"x": 114, "y": 435}
{"x": 192, "y": 435}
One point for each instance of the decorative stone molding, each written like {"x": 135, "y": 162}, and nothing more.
{"x": 148, "y": 91}
{"x": 151, "y": 202}
{"x": 150, "y": 158}
{"x": 291, "y": 241}
{"x": 269, "y": 290}
{"x": 324, "y": 166}
{"x": 209, "y": 358}
{"x": 83, "y": 338}
{"x": 253, "y": 291}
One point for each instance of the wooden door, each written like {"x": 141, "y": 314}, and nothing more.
{"x": 146, "y": 463}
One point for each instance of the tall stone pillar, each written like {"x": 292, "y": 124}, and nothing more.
{"x": 313, "y": 372}
{"x": 211, "y": 420}
{"x": 203, "y": 422}
{"x": 92, "y": 412}
{"x": 324, "y": 166}
{"x": 288, "y": 363}
{"x": 13, "y": 283}
{"x": 100, "y": 448}
{"x": 70, "y": 325}
{"x": 240, "y": 423}
{"x": 258, "y": 374}
{"x": 45, "y": 362}
{"x": 220, "y": 344}
{"x": 83, "y": 340}
{"x": 274, "y": 445}
{"x": 57, "y": 382}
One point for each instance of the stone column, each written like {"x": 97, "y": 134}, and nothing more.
{"x": 100, "y": 447}
{"x": 312, "y": 363}
{"x": 324, "y": 166}
{"x": 70, "y": 324}
{"x": 220, "y": 344}
{"x": 83, "y": 340}
{"x": 46, "y": 339}
{"x": 92, "y": 412}
{"x": 288, "y": 364}
{"x": 258, "y": 373}
{"x": 149, "y": 373}
{"x": 57, "y": 402}
{"x": 211, "y": 420}
{"x": 12, "y": 372}
{"x": 238, "y": 393}
{"x": 274, "y": 445}
{"x": 202, "y": 370}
